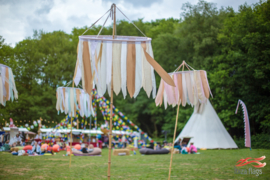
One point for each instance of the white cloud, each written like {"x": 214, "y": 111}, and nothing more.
{"x": 20, "y": 18}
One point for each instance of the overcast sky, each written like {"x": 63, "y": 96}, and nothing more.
{"x": 18, "y": 18}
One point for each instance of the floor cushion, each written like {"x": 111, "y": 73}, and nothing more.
{"x": 95, "y": 152}
{"x": 28, "y": 147}
{"x": 148, "y": 151}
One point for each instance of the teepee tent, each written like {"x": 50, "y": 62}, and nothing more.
{"x": 207, "y": 130}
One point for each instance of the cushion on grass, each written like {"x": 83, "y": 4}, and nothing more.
{"x": 95, "y": 152}
{"x": 148, "y": 151}
{"x": 28, "y": 147}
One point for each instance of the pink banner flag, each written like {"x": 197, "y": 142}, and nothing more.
{"x": 246, "y": 121}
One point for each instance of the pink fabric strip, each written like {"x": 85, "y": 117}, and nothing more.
{"x": 169, "y": 93}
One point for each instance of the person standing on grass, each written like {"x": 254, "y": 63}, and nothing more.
{"x": 192, "y": 148}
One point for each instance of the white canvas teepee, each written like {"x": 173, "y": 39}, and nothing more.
{"x": 206, "y": 130}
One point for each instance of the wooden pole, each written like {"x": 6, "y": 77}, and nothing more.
{"x": 173, "y": 140}
{"x": 111, "y": 105}
{"x": 70, "y": 145}
{"x": 39, "y": 126}
{"x": 77, "y": 124}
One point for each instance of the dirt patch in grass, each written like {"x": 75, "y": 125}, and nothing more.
{"x": 18, "y": 171}
{"x": 188, "y": 164}
{"x": 38, "y": 177}
{"x": 58, "y": 159}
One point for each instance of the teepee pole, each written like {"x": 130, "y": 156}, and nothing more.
{"x": 111, "y": 105}
{"x": 173, "y": 140}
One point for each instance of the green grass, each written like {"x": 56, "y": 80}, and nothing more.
{"x": 210, "y": 164}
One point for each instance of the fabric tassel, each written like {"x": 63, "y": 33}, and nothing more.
{"x": 175, "y": 89}
{"x": 189, "y": 88}
{"x": 180, "y": 89}
{"x": 80, "y": 59}
{"x": 124, "y": 69}
{"x": 7, "y": 84}
{"x": 103, "y": 72}
{"x": 116, "y": 67}
{"x": 131, "y": 66}
{"x": 87, "y": 68}
{"x": 57, "y": 100}
{"x": 169, "y": 93}
{"x": 165, "y": 98}
{"x": 73, "y": 99}
{"x": 1, "y": 89}
{"x": 3, "y": 74}
{"x": 184, "y": 86}
{"x": 205, "y": 74}
{"x": 109, "y": 61}
{"x": 138, "y": 72}
{"x": 159, "y": 97}
{"x": 147, "y": 76}
{"x": 204, "y": 84}
{"x": 150, "y": 52}
{"x": 199, "y": 87}
{"x": 98, "y": 63}
{"x": 194, "y": 90}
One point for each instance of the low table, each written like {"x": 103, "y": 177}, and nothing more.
{"x": 117, "y": 151}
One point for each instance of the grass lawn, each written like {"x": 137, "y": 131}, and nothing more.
{"x": 210, "y": 164}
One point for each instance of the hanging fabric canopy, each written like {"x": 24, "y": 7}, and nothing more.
{"x": 71, "y": 99}
{"x": 129, "y": 58}
{"x": 8, "y": 89}
{"x": 114, "y": 63}
{"x": 192, "y": 88}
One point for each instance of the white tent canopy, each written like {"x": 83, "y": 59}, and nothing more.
{"x": 207, "y": 130}
{"x": 84, "y": 131}
{"x": 19, "y": 129}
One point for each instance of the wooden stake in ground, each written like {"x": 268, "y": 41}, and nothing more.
{"x": 111, "y": 105}
{"x": 39, "y": 126}
{"x": 70, "y": 150}
{"x": 173, "y": 140}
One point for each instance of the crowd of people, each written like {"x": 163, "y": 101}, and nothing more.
{"x": 16, "y": 145}
{"x": 179, "y": 145}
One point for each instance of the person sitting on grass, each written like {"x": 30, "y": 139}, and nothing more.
{"x": 178, "y": 145}
{"x": 17, "y": 140}
{"x": 89, "y": 149}
{"x": 167, "y": 146}
{"x": 157, "y": 147}
{"x": 36, "y": 149}
{"x": 192, "y": 149}
{"x": 43, "y": 151}
{"x": 7, "y": 146}
{"x": 184, "y": 149}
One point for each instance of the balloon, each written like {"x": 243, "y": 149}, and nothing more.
{"x": 56, "y": 148}
{"x": 187, "y": 149}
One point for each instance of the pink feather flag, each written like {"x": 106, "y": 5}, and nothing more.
{"x": 246, "y": 121}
